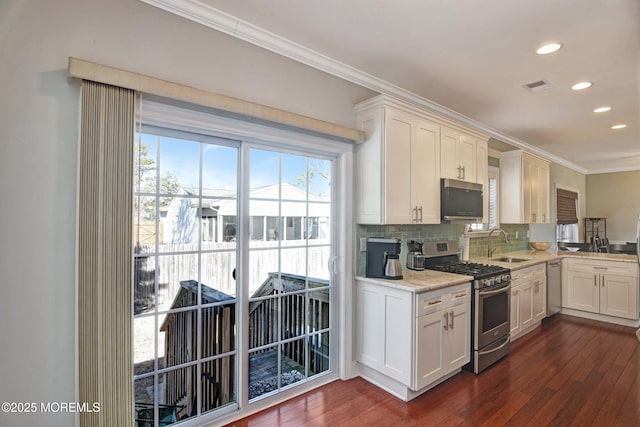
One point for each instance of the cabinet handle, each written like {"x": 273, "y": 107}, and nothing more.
{"x": 464, "y": 173}
{"x": 446, "y": 321}
{"x": 595, "y": 280}
{"x": 461, "y": 295}
{"x": 459, "y": 172}
{"x": 544, "y": 217}
{"x": 420, "y": 209}
{"x": 451, "y": 324}
{"x": 434, "y": 302}
{"x": 533, "y": 216}
{"x": 602, "y": 280}
{"x": 600, "y": 268}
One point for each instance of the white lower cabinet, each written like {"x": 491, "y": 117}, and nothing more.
{"x": 528, "y": 299}
{"x": 443, "y": 343}
{"x": 609, "y": 288}
{"x": 413, "y": 339}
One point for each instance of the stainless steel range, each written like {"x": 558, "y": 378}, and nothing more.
{"x": 490, "y": 305}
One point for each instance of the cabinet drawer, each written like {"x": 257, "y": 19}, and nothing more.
{"x": 430, "y": 302}
{"x": 527, "y": 273}
{"x": 604, "y": 267}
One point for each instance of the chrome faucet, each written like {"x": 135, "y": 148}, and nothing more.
{"x": 489, "y": 249}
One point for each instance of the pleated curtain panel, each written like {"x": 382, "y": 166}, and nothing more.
{"x": 105, "y": 253}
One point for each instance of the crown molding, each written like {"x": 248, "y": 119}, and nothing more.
{"x": 218, "y": 20}
{"x": 613, "y": 170}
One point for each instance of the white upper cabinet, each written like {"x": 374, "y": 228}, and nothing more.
{"x": 524, "y": 188}
{"x": 458, "y": 153}
{"x": 398, "y": 166}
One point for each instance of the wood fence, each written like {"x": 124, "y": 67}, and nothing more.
{"x": 216, "y": 268}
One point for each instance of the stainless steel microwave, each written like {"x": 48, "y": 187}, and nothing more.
{"x": 460, "y": 201}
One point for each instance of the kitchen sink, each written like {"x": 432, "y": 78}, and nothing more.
{"x": 511, "y": 259}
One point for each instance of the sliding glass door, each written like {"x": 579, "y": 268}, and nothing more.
{"x": 199, "y": 224}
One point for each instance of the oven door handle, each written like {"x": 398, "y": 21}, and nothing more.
{"x": 508, "y": 340}
{"x": 497, "y": 291}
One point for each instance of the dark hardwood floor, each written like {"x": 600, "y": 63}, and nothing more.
{"x": 568, "y": 372}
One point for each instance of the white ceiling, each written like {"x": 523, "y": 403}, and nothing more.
{"x": 472, "y": 57}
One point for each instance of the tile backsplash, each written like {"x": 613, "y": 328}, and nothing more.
{"x": 438, "y": 232}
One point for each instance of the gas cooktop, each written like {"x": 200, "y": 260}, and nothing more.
{"x": 478, "y": 271}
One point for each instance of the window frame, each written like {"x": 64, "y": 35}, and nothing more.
{"x": 492, "y": 172}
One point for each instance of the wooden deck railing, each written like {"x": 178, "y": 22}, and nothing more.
{"x": 299, "y": 319}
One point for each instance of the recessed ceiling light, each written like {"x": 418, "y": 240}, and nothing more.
{"x": 618, "y": 126}
{"x": 602, "y": 109}
{"x": 581, "y": 85}
{"x": 548, "y": 48}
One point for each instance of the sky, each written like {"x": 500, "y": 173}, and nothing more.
{"x": 180, "y": 158}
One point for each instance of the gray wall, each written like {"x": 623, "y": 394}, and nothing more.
{"x": 615, "y": 196}
{"x": 39, "y": 150}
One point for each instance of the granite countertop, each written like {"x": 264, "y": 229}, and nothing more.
{"x": 429, "y": 280}
{"x": 536, "y": 257}
{"x": 420, "y": 281}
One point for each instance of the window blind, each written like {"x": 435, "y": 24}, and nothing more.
{"x": 105, "y": 366}
{"x": 566, "y": 206}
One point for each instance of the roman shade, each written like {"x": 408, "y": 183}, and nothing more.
{"x": 566, "y": 206}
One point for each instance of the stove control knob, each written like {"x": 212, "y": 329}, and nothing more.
{"x": 498, "y": 279}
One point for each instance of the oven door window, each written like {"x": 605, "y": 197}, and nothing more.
{"x": 495, "y": 310}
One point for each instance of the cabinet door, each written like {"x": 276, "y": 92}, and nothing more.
{"x": 425, "y": 172}
{"x": 384, "y": 324}
{"x": 528, "y": 188}
{"x": 459, "y": 337}
{"x": 398, "y": 141}
{"x": 618, "y": 296}
{"x": 583, "y": 291}
{"x": 543, "y": 193}
{"x": 514, "y": 317}
{"x": 467, "y": 157}
{"x": 449, "y": 165}
{"x": 430, "y": 346}
{"x": 539, "y": 298}
{"x": 526, "y": 305}
{"x": 369, "y": 323}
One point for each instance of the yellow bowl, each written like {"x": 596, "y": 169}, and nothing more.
{"x": 540, "y": 246}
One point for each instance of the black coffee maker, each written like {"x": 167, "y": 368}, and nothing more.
{"x": 383, "y": 258}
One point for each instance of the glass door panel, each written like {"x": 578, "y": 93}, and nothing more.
{"x": 185, "y": 253}
{"x": 289, "y": 282}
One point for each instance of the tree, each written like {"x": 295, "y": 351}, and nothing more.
{"x": 319, "y": 174}
{"x": 145, "y": 180}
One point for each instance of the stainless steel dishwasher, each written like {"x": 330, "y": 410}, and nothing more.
{"x": 554, "y": 287}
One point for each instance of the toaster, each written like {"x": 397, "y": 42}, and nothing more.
{"x": 415, "y": 261}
